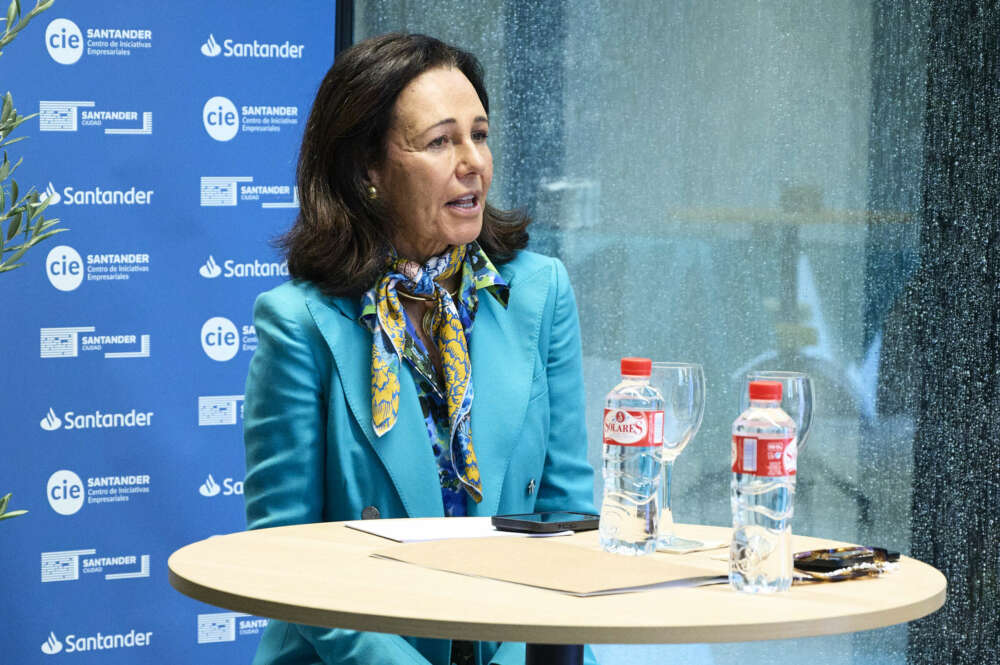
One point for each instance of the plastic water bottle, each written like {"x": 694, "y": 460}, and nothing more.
{"x": 633, "y": 440}
{"x": 762, "y": 491}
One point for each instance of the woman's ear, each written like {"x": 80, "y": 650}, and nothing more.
{"x": 374, "y": 176}
{"x": 373, "y": 184}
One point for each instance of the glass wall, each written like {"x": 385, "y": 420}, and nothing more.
{"x": 739, "y": 184}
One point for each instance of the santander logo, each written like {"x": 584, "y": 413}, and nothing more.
{"x": 52, "y": 645}
{"x": 51, "y": 421}
{"x": 209, "y": 487}
{"x": 210, "y": 269}
{"x": 211, "y": 47}
{"x": 50, "y": 195}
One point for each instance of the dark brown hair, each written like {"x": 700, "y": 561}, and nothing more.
{"x": 341, "y": 238}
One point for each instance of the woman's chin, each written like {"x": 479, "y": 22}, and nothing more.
{"x": 465, "y": 232}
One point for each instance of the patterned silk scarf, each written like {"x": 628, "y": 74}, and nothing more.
{"x": 382, "y": 312}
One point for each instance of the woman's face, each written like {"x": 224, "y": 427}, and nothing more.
{"x": 437, "y": 167}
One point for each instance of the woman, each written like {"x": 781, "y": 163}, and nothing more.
{"x": 360, "y": 400}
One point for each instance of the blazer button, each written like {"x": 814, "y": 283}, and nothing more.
{"x": 370, "y": 513}
{"x": 531, "y": 486}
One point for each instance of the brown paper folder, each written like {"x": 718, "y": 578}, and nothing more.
{"x": 550, "y": 564}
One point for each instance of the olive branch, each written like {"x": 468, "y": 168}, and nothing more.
{"x": 22, "y": 224}
{"x": 20, "y": 213}
{"x": 4, "y": 515}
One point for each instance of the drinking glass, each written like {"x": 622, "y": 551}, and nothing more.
{"x": 796, "y": 398}
{"x": 683, "y": 388}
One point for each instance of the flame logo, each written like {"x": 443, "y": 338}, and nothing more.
{"x": 52, "y": 645}
{"x": 51, "y": 421}
{"x": 211, "y": 269}
{"x": 50, "y": 194}
{"x": 209, "y": 487}
{"x": 211, "y": 48}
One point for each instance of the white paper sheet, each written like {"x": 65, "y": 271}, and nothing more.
{"x": 694, "y": 546}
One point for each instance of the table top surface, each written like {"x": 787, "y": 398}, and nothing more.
{"x": 324, "y": 575}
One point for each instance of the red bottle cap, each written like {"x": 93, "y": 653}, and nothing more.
{"x": 637, "y": 366}
{"x": 769, "y": 391}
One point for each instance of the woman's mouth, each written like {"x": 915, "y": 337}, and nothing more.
{"x": 467, "y": 202}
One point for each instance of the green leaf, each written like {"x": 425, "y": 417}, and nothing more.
{"x": 18, "y": 254}
{"x": 39, "y": 208}
{"x": 45, "y": 225}
{"x": 38, "y": 239}
{"x": 14, "y": 227}
{"x": 41, "y": 7}
{"x": 14, "y": 209}
{"x": 7, "y": 110}
{"x": 11, "y": 249}
{"x": 3, "y": 502}
{"x": 12, "y": 13}
{"x": 9, "y": 142}
{"x": 13, "y": 189}
{"x": 21, "y": 119}
{"x": 13, "y": 513}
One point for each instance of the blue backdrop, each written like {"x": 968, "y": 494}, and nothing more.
{"x": 166, "y": 138}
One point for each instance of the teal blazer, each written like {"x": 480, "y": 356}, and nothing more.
{"x": 313, "y": 456}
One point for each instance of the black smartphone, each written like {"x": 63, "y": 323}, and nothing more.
{"x": 824, "y": 561}
{"x": 546, "y": 522}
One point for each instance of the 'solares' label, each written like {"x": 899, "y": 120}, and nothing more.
{"x": 758, "y": 456}
{"x": 633, "y": 428}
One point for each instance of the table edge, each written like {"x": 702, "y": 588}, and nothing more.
{"x": 568, "y": 634}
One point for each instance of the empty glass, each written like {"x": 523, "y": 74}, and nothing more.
{"x": 796, "y": 398}
{"x": 683, "y": 388}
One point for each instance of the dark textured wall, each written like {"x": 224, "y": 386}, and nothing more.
{"x": 954, "y": 316}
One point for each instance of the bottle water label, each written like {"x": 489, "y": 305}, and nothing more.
{"x": 764, "y": 457}
{"x": 633, "y": 428}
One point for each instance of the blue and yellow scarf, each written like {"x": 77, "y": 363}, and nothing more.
{"x": 450, "y": 325}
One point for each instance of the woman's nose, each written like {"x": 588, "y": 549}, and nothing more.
{"x": 471, "y": 158}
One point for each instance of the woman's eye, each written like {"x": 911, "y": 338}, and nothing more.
{"x": 480, "y": 136}
{"x": 438, "y": 142}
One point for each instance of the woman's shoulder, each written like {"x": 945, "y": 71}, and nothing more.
{"x": 526, "y": 263}
{"x": 536, "y": 272}
{"x": 304, "y": 303}
{"x": 289, "y": 296}
{"x": 294, "y": 299}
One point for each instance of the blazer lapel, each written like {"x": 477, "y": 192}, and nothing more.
{"x": 503, "y": 349}
{"x": 404, "y": 450}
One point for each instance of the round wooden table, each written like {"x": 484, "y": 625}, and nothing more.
{"x": 323, "y": 575}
